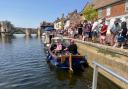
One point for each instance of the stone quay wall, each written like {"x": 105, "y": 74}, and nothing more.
{"x": 114, "y": 58}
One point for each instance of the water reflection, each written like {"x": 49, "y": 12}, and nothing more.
{"x": 6, "y": 40}
{"x": 71, "y": 80}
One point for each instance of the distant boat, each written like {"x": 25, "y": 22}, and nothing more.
{"x": 45, "y": 35}
{"x": 49, "y": 29}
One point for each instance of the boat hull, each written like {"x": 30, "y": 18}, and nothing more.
{"x": 78, "y": 62}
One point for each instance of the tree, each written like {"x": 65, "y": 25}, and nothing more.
{"x": 89, "y": 13}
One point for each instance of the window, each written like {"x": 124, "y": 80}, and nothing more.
{"x": 108, "y": 11}
{"x": 100, "y": 13}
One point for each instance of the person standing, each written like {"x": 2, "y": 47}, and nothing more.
{"x": 114, "y": 32}
{"x": 96, "y": 27}
{"x": 123, "y": 32}
{"x": 80, "y": 30}
{"x": 86, "y": 30}
{"x": 124, "y": 27}
{"x": 108, "y": 34}
{"x": 103, "y": 32}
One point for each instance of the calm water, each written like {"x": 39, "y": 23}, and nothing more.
{"x": 23, "y": 66}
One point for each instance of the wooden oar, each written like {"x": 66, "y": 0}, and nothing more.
{"x": 70, "y": 62}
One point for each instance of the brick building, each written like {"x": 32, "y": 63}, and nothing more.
{"x": 73, "y": 19}
{"x": 111, "y": 8}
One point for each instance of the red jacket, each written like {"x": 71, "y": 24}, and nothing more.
{"x": 104, "y": 29}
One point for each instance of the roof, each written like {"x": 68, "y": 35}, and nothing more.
{"x": 101, "y": 3}
{"x": 72, "y": 13}
{"x": 59, "y": 20}
{"x": 46, "y": 24}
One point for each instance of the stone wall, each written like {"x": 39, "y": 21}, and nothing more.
{"x": 113, "y": 59}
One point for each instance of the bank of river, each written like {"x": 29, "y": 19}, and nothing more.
{"x": 23, "y": 66}
{"x": 108, "y": 57}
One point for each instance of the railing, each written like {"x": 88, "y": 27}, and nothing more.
{"x": 95, "y": 74}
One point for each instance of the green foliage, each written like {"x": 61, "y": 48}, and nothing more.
{"x": 89, "y": 13}
{"x": 62, "y": 23}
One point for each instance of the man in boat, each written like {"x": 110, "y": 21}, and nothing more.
{"x": 72, "y": 48}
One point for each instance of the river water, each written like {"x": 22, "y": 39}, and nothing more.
{"x": 23, "y": 66}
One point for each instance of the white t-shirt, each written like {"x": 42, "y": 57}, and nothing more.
{"x": 95, "y": 25}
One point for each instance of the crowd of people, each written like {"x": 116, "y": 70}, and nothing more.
{"x": 114, "y": 34}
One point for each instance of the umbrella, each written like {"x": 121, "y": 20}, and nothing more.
{"x": 49, "y": 29}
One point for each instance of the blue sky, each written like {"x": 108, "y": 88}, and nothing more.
{"x": 29, "y": 13}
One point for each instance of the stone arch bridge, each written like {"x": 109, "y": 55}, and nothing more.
{"x": 7, "y": 29}
{"x": 27, "y": 31}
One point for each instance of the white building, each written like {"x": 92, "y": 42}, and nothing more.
{"x": 67, "y": 24}
{"x": 58, "y": 25}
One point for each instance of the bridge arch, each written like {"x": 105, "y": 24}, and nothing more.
{"x": 19, "y": 32}
{"x": 26, "y": 31}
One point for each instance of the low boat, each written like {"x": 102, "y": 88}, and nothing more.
{"x": 45, "y": 38}
{"x": 47, "y": 35}
{"x": 66, "y": 61}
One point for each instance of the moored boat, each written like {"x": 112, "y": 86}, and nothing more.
{"x": 47, "y": 35}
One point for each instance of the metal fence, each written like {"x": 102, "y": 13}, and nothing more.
{"x": 95, "y": 74}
